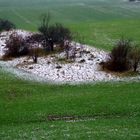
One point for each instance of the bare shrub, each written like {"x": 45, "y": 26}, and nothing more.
{"x": 134, "y": 56}
{"x": 6, "y": 25}
{"x": 34, "y": 39}
{"x": 16, "y": 46}
{"x": 119, "y": 57}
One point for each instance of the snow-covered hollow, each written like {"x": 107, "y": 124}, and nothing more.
{"x": 85, "y": 67}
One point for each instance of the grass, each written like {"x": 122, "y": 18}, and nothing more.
{"x": 105, "y": 34}
{"x": 100, "y": 22}
{"x": 109, "y": 111}
{"x": 114, "y": 110}
{"x": 106, "y": 129}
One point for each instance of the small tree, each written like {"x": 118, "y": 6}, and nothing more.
{"x": 53, "y": 34}
{"x": 6, "y": 25}
{"x": 135, "y": 57}
{"x": 58, "y": 34}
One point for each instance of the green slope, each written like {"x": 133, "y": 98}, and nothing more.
{"x": 101, "y": 22}
{"x": 110, "y": 111}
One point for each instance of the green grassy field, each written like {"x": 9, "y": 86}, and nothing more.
{"x": 107, "y": 111}
{"x": 103, "y": 111}
{"x": 100, "y": 22}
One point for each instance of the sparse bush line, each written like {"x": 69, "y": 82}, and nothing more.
{"x": 52, "y": 38}
{"x": 124, "y": 56}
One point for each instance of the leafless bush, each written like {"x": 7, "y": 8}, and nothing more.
{"x": 16, "y": 46}
{"x": 134, "y": 56}
{"x": 6, "y": 25}
{"x": 119, "y": 57}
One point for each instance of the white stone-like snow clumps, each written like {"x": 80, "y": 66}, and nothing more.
{"x": 85, "y": 68}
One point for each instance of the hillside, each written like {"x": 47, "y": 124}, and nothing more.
{"x": 59, "y": 97}
{"x": 101, "y": 22}
{"x": 28, "y": 12}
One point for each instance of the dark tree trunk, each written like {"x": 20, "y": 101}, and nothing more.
{"x": 135, "y": 67}
{"x": 52, "y": 47}
{"x": 51, "y": 44}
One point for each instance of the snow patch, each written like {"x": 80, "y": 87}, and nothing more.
{"x": 84, "y": 69}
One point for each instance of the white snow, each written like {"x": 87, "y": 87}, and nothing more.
{"x": 85, "y": 67}
{"x": 75, "y": 72}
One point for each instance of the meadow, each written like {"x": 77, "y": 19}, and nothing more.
{"x": 110, "y": 111}
{"x": 100, "y": 22}
{"x": 101, "y": 111}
